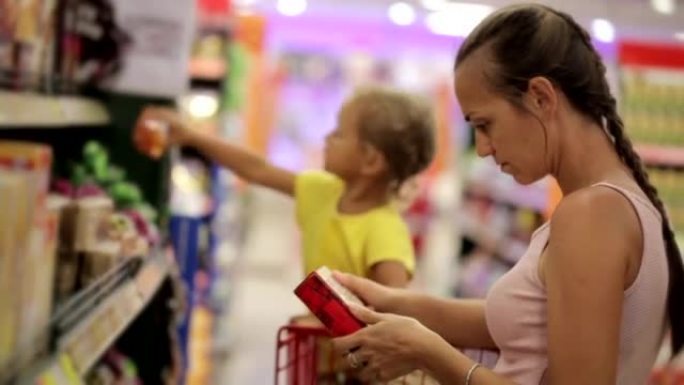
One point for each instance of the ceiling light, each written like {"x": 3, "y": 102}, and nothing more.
{"x": 402, "y": 14}
{"x": 457, "y": 19}
{"x": 666, "y": 7}
{"x": 603, "y": 30}
{"x": 291, "y": 7}
{"x": 244, "y": 3}
{"x": 435, "y": 5}
{"x": 203, "y": 106}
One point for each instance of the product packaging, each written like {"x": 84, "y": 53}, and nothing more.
{"x": 329, "y": 302}
{"x": 26, "y": 169}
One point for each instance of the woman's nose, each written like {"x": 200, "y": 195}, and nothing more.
{"x": 483, "y": 145}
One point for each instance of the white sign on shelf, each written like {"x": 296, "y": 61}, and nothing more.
{"x": 156, "y": 63}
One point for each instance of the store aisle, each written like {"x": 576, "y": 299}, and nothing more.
{"x": 263, "y": 301}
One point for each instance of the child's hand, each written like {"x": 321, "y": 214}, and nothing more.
{"x": 373, "y": 294}
{"x": 159, "y": 127}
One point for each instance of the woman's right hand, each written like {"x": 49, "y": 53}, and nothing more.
{"x": 381, "y": 298}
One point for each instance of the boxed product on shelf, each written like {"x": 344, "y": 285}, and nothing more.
{"x": 90, "y": 220}
{"x": 670, "y": 185}
{"x": 13, "y": 222}
{"x": 93, "y": 232}
{"x": 35, "y": 289}
{"x": 32, "y": 159}
{"x": 66, "y": 276}
{"x": 98, "y": 263}
{"x": 83, "y": 241}
{"x": 40, "y": 289}
{"x": 105, "y": 221}
{"x": 25, "y": 169}
{"x": 653, "y": 105}
{"x": 27, "y": 33}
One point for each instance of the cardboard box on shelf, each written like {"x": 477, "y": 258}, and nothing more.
{"x": 44, "y": 270}
{"x": 653, "y": 105}
{"x": 91, "y": 223}
{"x": 34, "y": 162}
{"x": 25, "y": 169}
{"x": 66, "y": 279}
{"x": 14, "y": 225}
{"x": 38, "y": 283}
{"x": 98, "y": 263}
{"x": 20, "y": 155}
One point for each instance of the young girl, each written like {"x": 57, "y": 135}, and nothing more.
{"x": 346, "y": 213}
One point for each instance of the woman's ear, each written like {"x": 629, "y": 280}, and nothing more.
{"x": 542, "y": 96}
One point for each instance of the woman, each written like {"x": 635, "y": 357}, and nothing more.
{"x": 593, "y": 296}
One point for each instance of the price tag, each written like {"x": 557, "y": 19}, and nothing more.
{"x": 69, "y": 370}
{"x": 148, "y": 279}
{"x": 60, "y": 372}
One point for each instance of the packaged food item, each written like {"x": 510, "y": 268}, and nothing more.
{"x": 98, "y": 263}
{"x": 25, "y": 168}
{"x": 21, "y": 155}
{"x": 92, "y": 215}
{"x": 329, "y": 302}
{"x": 66, "y": 275}
{"x": 35, "y": 285}
{"x": 33, "y": 161}
{"x": 152, "y": 137}
{"x": 14, "y": 225}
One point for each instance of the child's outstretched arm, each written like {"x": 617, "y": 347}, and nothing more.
{"x": 245, "y": 164}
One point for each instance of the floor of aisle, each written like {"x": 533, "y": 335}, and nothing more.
{"x": 263, "y": 300}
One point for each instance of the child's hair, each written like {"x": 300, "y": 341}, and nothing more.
{"x": 399, "y": 125}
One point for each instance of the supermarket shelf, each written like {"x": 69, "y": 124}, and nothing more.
{"x": 496, "y": 255}
{"x": 82, "y": 346}
{"x": 34, "y": 110}
{"x": 499, "y": 247}
{"x": 654, "y": 155}
{"x": 532, "y": 198}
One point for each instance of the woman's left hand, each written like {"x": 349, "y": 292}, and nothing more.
{"x": 390, "y": 346}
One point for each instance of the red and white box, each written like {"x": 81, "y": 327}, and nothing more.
{"x": 329, "y": 302}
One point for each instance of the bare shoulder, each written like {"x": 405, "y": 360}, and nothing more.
{"x": 598, "y": 208}
{"x": 594, "y": 228}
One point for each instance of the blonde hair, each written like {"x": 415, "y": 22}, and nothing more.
{"x": 399, "y": 125}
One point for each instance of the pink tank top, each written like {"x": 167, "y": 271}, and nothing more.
{"x": 516, "y": 308}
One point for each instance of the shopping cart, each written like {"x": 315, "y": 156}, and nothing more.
{"x": 297, "y": 354}
{"x": 304, "y": 357}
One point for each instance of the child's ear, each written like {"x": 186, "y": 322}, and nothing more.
{"x": 374, "y": 162}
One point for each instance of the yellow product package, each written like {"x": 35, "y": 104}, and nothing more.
{"x": 12, "y": 225}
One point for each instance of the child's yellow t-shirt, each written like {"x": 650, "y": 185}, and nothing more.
{"x": 348, "y": 243}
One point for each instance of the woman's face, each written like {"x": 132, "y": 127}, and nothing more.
{"x": 513, "y": 137}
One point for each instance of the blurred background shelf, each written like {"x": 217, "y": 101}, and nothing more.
{"x": 19, "y": 109}
{"x": 529, "y": 197}
{"x": 663, "y": 156}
